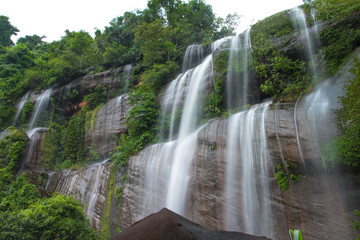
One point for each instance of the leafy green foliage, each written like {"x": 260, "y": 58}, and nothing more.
{"x": 284, "y": 76}
{"x": 226, "y": 27}
{"x": 155, "y": 42}
{"x": 356, "y": 222}
{"x": 279, "y": 75}
{"x": 97, "y": 97}
{"x": 140, "y": 120}
{"x": 335, "y": 9}
{"x": 24, "y": 212}
{"x": 281, "y": 177}
{"x": 74, "y": 146}
{"x": 27, "y": 110}
{"x": 214, "y": 101}
{"x": 6, "y": 31}
{"x": 295, "y": 234}
{"x": 12, "y": 149}
{"x": 58, "y": 217}
{"x": 32, "y": 42}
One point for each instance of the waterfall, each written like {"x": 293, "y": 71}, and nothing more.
{"x": 157, "y": 159}
{"x": 190, "y": 115}
{"x": 316, "y": 28}
{"x": 33, "y": 150}
{"x": 2, "y": 135}
{"x": 194, "y": 54}
{"x": 186, "y": 143}
{"x": 167, "y": 170}
{"x": 318, "y": 109}
{"x": 299, "y": 20}
{"x": 237, "y": 79}
{"x": 246, "y": 173}
{"x": 127, "y": 71}
{"x": 40, "y": 106}
{"x": 87, "y": 185}
{"x": 172, "y": 99}
{"x": 180, "y": 175}
{"x": 95, "y": 192}
{"x": 20, "y": 108}
{"x": 127, "y": 74}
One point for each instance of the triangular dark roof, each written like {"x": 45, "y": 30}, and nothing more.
{"x": 167, "y": 225}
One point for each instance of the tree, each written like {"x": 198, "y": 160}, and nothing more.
{"x": 58, "y": 217}
{"x": 227, "y": 26}
{"x": 31, "y": 41}
{"x": 155, "y": 41}
{"x": 6, "y": 31}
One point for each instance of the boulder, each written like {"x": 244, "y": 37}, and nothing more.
{"x": 166, "y": 224}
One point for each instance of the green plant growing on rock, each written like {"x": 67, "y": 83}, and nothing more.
{"x": 280, "y": 75}
{"x": 27, "y": 110}
{"x": 295, "y": 234}
{"x": 281, "y": 177}
{"x": 356, "y": 222}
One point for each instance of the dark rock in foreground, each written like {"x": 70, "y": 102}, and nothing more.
{"x": 166, "y": 224}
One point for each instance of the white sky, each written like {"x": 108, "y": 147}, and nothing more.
{"x": 52, "y": 17}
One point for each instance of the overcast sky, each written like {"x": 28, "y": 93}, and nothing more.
{"x": 52, "y": 17}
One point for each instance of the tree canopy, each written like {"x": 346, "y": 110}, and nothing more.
{"x": 6, "y": 31}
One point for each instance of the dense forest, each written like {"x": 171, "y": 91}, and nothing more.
{"x": 153, "y": 41}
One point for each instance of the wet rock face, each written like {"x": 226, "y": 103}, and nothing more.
{"x": 33, "y": 150}
{"x": 112, "y": 80}
{"x": 315, "y": 204}
{"x": 88, "y": 186}
{"x": 109, "y": 125}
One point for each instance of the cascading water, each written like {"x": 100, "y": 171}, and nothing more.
{"x": 190, "y": 115}
{"x": 167, "y": 170}
{"x": 299, "y": 20}
{"x": 316, "y": 28}
{"x": 157, "y": 158}
{"x": 127, "y": 75}
{"x": 194, "y": 54}
{"x": 20, "y": 108}
{"x": 33, "y": 151}
{"x": 171, "y": 102}
{"x": 180, "y": 173}
{"x": 246, "y": 181}
{"x": 237, "y": 79}
{"x": 87, "y": 185}
{"x": 40, "y": 107}
{"x": 185, "y": 148}
{"x": 2, "y": 135}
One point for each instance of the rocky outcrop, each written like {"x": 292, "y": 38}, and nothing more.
{"x": 33, "y": 150}
{"x": 166, "y": 224}
{"x": 108, "y": 125}
{"x": 112, "y": 80}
